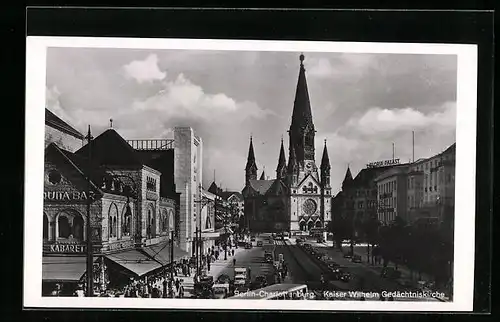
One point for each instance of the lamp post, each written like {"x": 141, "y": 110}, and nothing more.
{"x": 90, "y": 259}
{"x": 202, "y": 201}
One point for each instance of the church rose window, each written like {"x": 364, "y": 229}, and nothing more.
{"x": 309, "y": 207}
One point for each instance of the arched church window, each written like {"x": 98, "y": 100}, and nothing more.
{"x": 310, "y": 225}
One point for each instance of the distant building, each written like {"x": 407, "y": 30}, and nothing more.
{"x": 392, "y": 194}
{"x": 298, "y": 199}
{"x": 182, "y": 159}
{"x": 357, "y": 201}
{"x": 61, "y": 133}
{"x": 432, "y": 191}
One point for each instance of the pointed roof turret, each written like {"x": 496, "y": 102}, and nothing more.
{"x": 282, "y": 159}
{"x": 302, "y": 115}
{"x": 251, "y": 156}
{"x": 263, "y": 175}
{"x": 347, "y": 178}
{"x": 325, "y": 160}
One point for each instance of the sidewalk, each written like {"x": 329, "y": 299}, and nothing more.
{"x": 216, "y": 268}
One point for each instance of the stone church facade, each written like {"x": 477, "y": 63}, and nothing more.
{"x": 299, "y": 198}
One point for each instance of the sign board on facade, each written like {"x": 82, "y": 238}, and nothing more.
{"x": 66, "y": 195}
{"x": 65, "y": 248}
{"x": 383, "y": 163}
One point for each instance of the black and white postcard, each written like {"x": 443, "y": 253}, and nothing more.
{"x": 221, "y": 174}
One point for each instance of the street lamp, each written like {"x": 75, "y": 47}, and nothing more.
{"x": 90, "y": 259}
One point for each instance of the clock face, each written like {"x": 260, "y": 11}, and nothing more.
{"x": 309, "y": 165}
{"x": 309, "y": 207}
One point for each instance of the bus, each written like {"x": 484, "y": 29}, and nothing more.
{"x": 275, "y": 292}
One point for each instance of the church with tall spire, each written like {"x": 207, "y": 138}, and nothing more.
{"x": 299, "y": 198}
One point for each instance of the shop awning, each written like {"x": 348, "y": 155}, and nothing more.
{"x": 223, "y": 230}
{"x": 134, "y": 261}
{"x": 161, "y": 253}
{"x": 63, "y": 268}
{"x": 210, "y": 234}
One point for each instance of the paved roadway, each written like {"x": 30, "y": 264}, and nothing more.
{"x": 367, "y": 278}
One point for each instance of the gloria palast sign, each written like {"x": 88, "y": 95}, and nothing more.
{"x": 383, "y": 163}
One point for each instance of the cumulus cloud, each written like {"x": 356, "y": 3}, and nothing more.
{"x": 182, "y": 98}
{"x": 144, "y": 70}
{"x": 379, "y": 120}
{"x": 342, "y": 65}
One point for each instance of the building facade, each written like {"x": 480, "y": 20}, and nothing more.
{"x": 431, "y": 184}
{"x": 132, "y": 219}
{"x": 357, "y": 201}
{"x": 392, "y": 194}
{"x": 298, "y": 199}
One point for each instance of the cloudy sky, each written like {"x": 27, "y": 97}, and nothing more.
{"x": 361, "y": 103}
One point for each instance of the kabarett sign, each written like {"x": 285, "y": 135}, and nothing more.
{"x": 65, "y": 248}
{"x": 66, "y": 195}
{"x": 383, "y": 163}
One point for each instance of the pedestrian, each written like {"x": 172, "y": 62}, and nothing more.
{"x": 208, "y": 266}
{"x": 165, "y": 290}
{"x": 177, "y": 285}
{"x": 234, "y": 261}
{"x": 232, "y": 251}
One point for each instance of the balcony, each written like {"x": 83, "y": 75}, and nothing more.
{"x": 152, "y": 144}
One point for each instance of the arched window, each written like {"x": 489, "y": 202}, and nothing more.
{"x": 45, "y": 227}
{"x": 164, "y": 221}
{"x": 126, "y": 220}
{"x": 148, "y": 228}
{"x": 64, "y": 227}
{"x": 170, "y": 220}
{"x": 302, "y": 226}
{"x": 112, "y": 220}
{"x": 310, "y": 225}
{"x": 318, "y": 224}
{"x": 78, "y": 227}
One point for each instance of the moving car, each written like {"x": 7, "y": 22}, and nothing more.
{"x": 356, "y": 259}
{"x": 268, "y": 257}
{"x": 248, "y": 246}
{"x": 252, "y": 238}
{"x": 259, "y": 243}
{"x": 223, "y": 279}
{"x": 348, "y": 255}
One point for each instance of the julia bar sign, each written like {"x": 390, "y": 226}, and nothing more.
{"x": 382, "y": 163}
{"x": 66, "y": 195}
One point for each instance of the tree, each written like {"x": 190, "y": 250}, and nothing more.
{"x": 340, "y": 229}
{"x": 371, "y": 227}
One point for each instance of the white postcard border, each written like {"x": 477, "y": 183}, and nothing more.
{"x": 36, "y": 49}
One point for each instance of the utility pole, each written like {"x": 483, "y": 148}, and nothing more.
{"x": 90, "y": 259}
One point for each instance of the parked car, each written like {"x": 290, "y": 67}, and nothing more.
{"x": 356, "y": 259}
{"x": 390, "y": 272}
{"x": 320, "y": 240}
{"x": 260, "y": 243}
{"x": 252, "y": 238}
{"x": 248, "y": 246}
{"x": 223, "y": 279}
{"x": 260, "y": 281}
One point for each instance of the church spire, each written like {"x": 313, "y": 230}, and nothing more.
{"x": 325, "y": 168}
{"x": 251, "y": 167}
{"x": 302, "y": 127}
{"x": 281, "y": 169}
{"x": 325, "y": 160}
{"x": 263, "y": 175}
